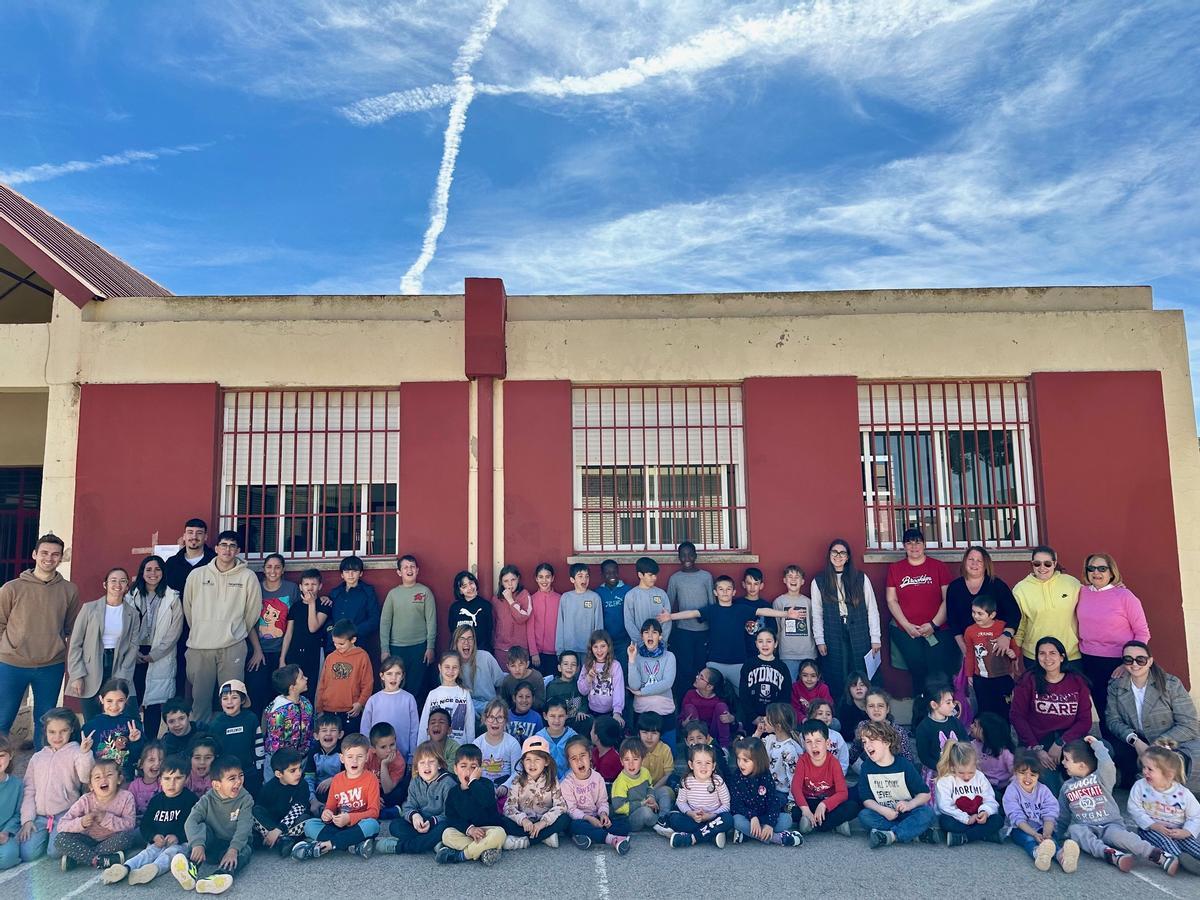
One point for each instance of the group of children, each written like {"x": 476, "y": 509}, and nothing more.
{"x": 569, "y": 758}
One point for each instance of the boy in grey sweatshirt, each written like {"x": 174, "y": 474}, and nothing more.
{"x": 1090, "y": 814}
{"x": 580, "y": 612}
{"x": 218, "y": 831}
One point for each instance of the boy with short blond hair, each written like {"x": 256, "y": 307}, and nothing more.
{"x": 350, "y": 819}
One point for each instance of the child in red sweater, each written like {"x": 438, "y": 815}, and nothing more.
{"x": 706, "y": 702}
{"x": 350, "y": 820}
{"x": 346, "y": 679}
{"x": 809, "y": 687}
{"x": 606, "y": 736}
{"x": 823, "y": 801}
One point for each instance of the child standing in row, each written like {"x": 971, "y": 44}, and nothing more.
{"x": 580, "y": 613}
{"x": 288, "y": 721}
{"x": 966, "y": 805}
{"x": 1089, "y": 812}
{"x": 652, "y": 673}
{"x": 98, "y": 827}
{"x": 1032, "y": 811}
{"x": 565, "y": 688}
{"x": 451, "y": 696}
{"x": 346, "y": 678}
{"x": 646, "y": 601}
{"x": 765, "y": 682}
{"x": 162, "y": 828}
{"x": 513, "y": 616}
{"x": 544, "y": 620}
{"x": 796, "y": 642}
{"x": 586, "y": 797}
{"x": 395, "y": 706}
{"x": 987, "y": 671}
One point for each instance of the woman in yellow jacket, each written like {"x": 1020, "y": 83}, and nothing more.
{"x": 1047, "y": 597}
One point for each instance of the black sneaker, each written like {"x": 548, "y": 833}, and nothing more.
{"x": 284, "y": 846}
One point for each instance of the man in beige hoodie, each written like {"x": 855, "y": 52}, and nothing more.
{"x": 221, "y": 602}
{"x": 37, "y": 611}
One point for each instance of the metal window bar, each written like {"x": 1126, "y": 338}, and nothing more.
{"x": 284, "y": 491}
{"x": 20, "y": 503}
{"x": 658, "y": 464}
{"x": 952, "y": 457}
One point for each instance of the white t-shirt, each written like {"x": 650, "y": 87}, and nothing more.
{"x": 1139, "y": 697}
{"x": 114, "y": 619}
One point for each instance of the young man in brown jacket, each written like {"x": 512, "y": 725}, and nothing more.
{"x": 37, "y": 611}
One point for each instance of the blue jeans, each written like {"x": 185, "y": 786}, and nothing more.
{"x": 619, "y": 827}
{"x": 783, "y": 822}
{"x": 42, "y": 841}
{"x": 160, "y": 857}
{"x": 46, "y": 682}
{"x": 907, "y": 826}
{"x": 1027, "y": 842}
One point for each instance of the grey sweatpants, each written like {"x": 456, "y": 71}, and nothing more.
{"x": 209, "y": 669}
{"x": 1095, "y": 839}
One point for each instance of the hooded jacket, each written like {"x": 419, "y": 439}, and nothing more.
{"x": 36, "y": 618}
{"x": 221, "y": 607}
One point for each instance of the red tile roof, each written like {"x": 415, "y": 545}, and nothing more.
{"x": 77, "y": 267}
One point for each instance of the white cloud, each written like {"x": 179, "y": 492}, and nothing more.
{"x": 46, "y": 171}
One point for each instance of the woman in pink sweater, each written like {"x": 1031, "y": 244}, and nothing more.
{"x": 99, "y": 826}
{"x": 53, "y": 781}
{"x": 1110, "y": 615}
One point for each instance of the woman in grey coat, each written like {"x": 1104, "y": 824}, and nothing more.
{"x": 1148, "y": 706}
{"x": 103, "y": 643}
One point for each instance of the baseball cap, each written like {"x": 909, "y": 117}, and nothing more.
{"x": 234, "y": 685}
{"x": 535, "y": 743}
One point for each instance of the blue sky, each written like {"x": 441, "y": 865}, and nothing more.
{"x": 244, "y": 147}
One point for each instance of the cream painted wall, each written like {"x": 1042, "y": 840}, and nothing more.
{"x": 23, "y": 437}
{"x": 23, "y": 351}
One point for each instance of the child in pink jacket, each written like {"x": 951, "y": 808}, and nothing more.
{"x": 99, "y": 826}
{"x": 53, "y": 780}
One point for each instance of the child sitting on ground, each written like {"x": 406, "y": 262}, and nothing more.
{"x": 499, "y": 751}
{"x": 822, "y": 711}
{"x": 423, "y": 815}
{"x": 1032, "y": 811}
{"x": 162, "y": 828}
{"x": 474, "y": 827}
{"x": 992, "y": 737}
{"x": 205, "y": 749}
{"x": 181, "y": 730}
{"x": 756, "y": 805}
{"x": 587, "y": 802}
{"x": 350, "y": 819}
{"x": 282, "y": 806}
{"x": 765, "y": 682}
{"x": 606, "y": 737}
{"x": 52, "y": 782}
{"x": 852, "y": 708}
{"x": 778, "y": 732}
{"x": 707, "y": 702}
{"x": 966, "y": 804}
{"x": 98, "y": 827}
{"x": 1089, "y": 812}
{"x": 878, "y": 705}
{"x": 659, "y": 761}
{"x": 238, "y": 729}
{"x": 701, "y": 812}
{"x": 895, "y": 799}
{"x": 535, "y": 806}
{"x": 523, "y": 721}
{"x": 557, "y": 732}
{"x": 324, "y": 758}
{"x": 1166, "y": 813}
{"x": 288, "y": 721}
{"x": 146, "y": 784}
{"x": 936, "y": 726}
{"x": 395, "y": 706}
{"x": 387, "y": 764}
{"x": 633, "y": 789}
{"x": 695, "y": 733}
{"x": 346, "y": 678}
{"x": 601, "y": 681}
{"x": 10, "y": 808}
{"x": 823, "y": 802}
{"x": 218, "y": 830}
{"x": 450, "y": 695}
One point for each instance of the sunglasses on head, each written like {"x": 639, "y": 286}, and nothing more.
{"x": 1135, "y": 660}
{"x": 1097, "y": 568}
{"x": 1043, "y": 564}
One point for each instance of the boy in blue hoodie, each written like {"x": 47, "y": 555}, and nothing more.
{"x": 355, "y": 600}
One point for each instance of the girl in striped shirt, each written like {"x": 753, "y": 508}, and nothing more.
{"x": 702, "y": 814}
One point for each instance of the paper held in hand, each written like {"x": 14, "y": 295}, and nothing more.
{"x": 872, "y": 661}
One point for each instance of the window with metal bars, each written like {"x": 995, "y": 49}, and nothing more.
{"x": 952, "y": 458}
{"x": 20, "y": 502}
{"x": 312, "y": 474}
{"x": 656, "y": 465}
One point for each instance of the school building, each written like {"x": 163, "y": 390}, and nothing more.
{"x": 480, "y": 429}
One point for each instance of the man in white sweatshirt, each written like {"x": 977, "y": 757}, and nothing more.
{"x": 221, "y": 602}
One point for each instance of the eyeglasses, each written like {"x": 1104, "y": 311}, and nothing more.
{"x": 1043, "y": 564}
{"x": 1097, "y": 568}
{"x": 839, "y": 552}
{"x": 227, "y": 545}
{"x": 1135, "y": 660}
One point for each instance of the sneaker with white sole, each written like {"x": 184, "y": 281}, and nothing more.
{"x": 843, "y": 829}
{"x": 1118, "y": 859}
{"x": 720, "y": 840}
{"x": 680, "y": 840}
{"x": 804, "y": 825}
{"x": 489, "y": 857}
{"x": 184, "y": 871}
{"x": 215, "y": 884}
{"x": 1165, "y": 861}
{"x": 879, "y": 838}
{"x": 582, "y": 841}
{"x": 1043, "y": 856}
{"x": 143, "y": 874}
{"x": 662, "y": 828}
{"x": 1068, "y": 856}
{"x": 515, "y": 843}
{"x": 791, "y": 838}
{"x": 114, "y": 873}
{"x": 551, "y": 841}
{"x": 386, "y": 844}
{"x": 304, "y": 850}
{"x": 738, "y": 837}
{"x": 623, "y": 845}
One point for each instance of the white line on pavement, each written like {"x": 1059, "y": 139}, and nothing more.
{"x": 18, "y": 870}
{"x": 601, "y": 864}
{"x": 1155, "y": 885}
{"x": 83, "y": 887}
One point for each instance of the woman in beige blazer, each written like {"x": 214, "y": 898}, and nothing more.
{"x": 103, "y": 643}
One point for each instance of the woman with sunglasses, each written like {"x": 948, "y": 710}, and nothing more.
{"x": 1046, "y": 597}
{"x": 1147, "y": 706}
{"x": 1109, "y": 616}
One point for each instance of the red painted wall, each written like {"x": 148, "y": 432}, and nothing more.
{"x": 538, "y": 474}
{"x": 1106, "y": 487}
{"x": 126, "y": 488}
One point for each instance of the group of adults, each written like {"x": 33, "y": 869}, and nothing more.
{"x": 201, "y": 617}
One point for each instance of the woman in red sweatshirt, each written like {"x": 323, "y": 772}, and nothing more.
{"x": 1051, "y": 707}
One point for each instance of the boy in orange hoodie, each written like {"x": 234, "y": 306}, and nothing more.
{"x": 350, "y": 819}
{"x": 346, "y": 679}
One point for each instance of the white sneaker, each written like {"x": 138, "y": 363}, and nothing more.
{"x": 515, "y": 843}
{"x": 551, "y": 841}
{"x": 719, "y": 840}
